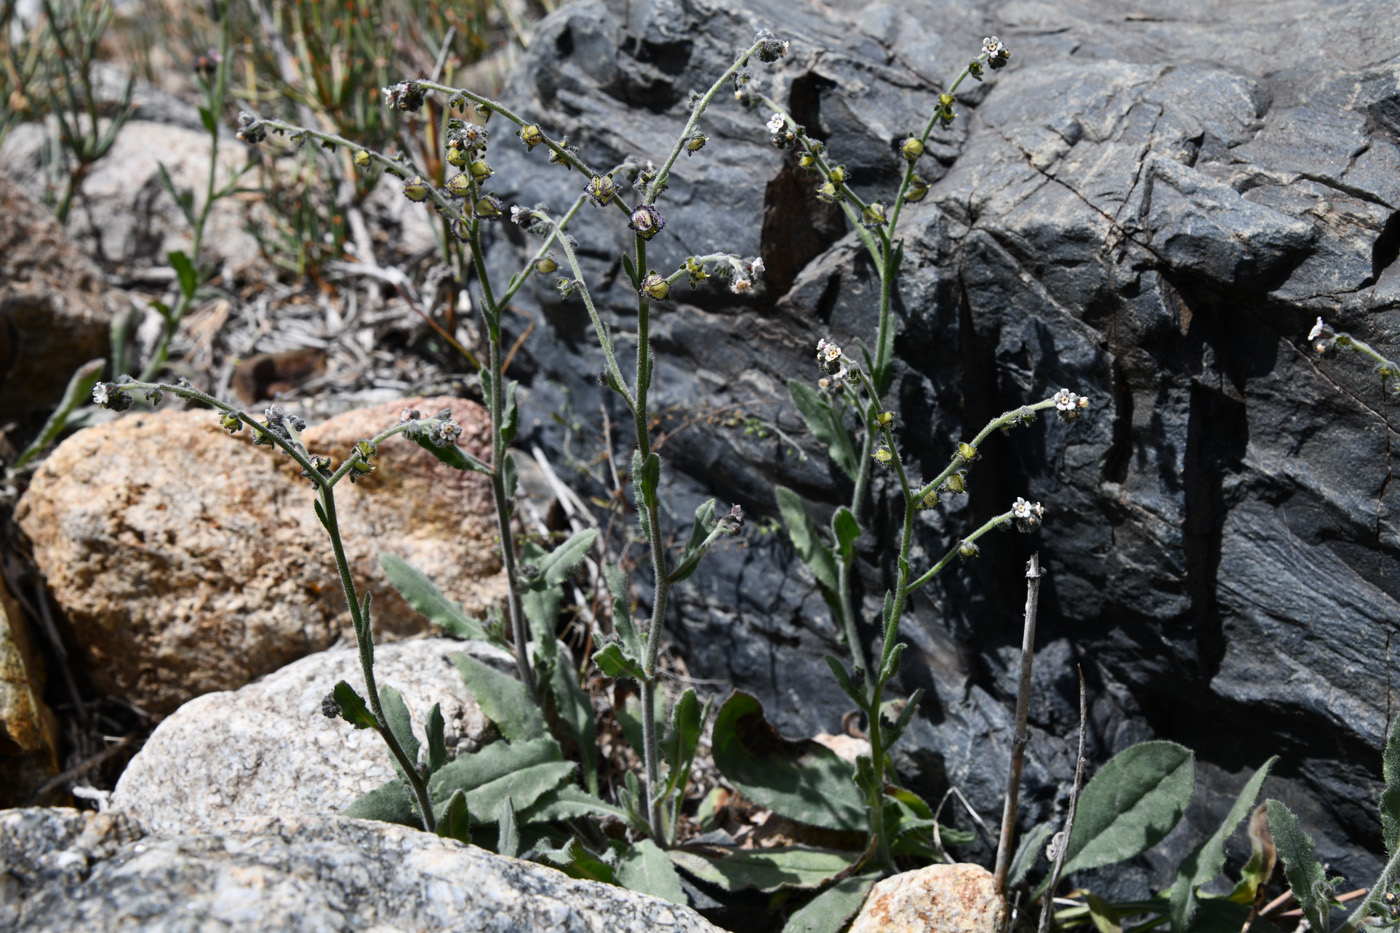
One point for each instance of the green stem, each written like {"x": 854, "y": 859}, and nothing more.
{"x": 1363, "y": 910}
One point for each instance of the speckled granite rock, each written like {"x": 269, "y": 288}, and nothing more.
{"x": 68, "y": 870}
{"x": 936, "y": 899}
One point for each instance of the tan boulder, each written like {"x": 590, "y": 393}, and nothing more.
{"x": 187, "y": 560}
{"x": 28, "y": 730}
{"x": 936, "y": 899}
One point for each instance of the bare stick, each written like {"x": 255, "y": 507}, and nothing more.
{"x": 1018, "y": 743}
{"x": 1059, "y": 845}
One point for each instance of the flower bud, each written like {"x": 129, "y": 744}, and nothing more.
{"x": 545, "y": 265}
{"x": 874, "y": 215}
{"x": 882, "y": 455}
{"x": 884, "y": 417}
{"x": 968, "y": 549}
{"x": 415, "y": 189}
{"x": 956, "y": 483}
{"x": 917, "y": 190}
{"x": 362, "y": 158}
{"x": 912, "y": 149}
{"x": 646, "y": 222}
{"x": 602, "y": 190}
{"x": 481, "y": 170}
{"x": 530, "y": 135}
{"x": 967, "y": 453}
{"x": 488, "y": 208}
{"x": 230, "y": 422}
{"x": 828, "y": 192}
{"x": 695, "y": 143}
{"x": 837, "y": 175}
{"x": 459, "y": 185}
{"x": 456, "y": 156}
{"x": 807, "y": 161}
{"x": 655, "y": 287}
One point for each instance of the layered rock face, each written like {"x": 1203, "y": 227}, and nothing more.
{"x": 1148, "y": 208}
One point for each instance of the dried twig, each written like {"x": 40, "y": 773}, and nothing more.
{"x": 1018, "y": 743}
{"x": 1059, "y": 845}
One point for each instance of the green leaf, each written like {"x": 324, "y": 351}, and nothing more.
{"x": 576, "y": 712}
{"x": 497, "y": 760}
{"x": 450, "y": 454}
{"x": 1104, "y": 917}
{"x": 321, "y": 514}
{"x": 1028, "y": 853}
{"x": 503, "y": 699}
{"x": 437, "y": 739}
{"x": 845, "y": 530}
{"x": 425, "y": 598}
{"x": 805, "y": 540}
{"x": 843, "y": 678}
{"x": 510, "y": 413}
{"x": 211, "y": 122}
{"x": 767, "y": 870}
{"x": 184, "y": 271}
{"x": 649, "y": 480}
{"x": 1131, "y": 804}
{"x": 568, "y": 802}
{"x": 455, "y": 821}
{"x": 387, "y": 803}
{"x": 184, "y": 200}
{"x": 826, "y": 426}
{"x": 803, "y": 781}
{"x": 563, "y": 560}
{"x": 1208, "y": 860}
{"x": 622, "y": 615}
{"x": 510, "y": 477}
{"x": 905, "y": 715}
{"x": 79, "y": 390}
{"x": 687, "y": 723}
{"x": 629, "y": 717}
{"x": 616, "y": 663}
{"x": 631, "y": 271}
{"x": 1390, "y": 797}
{"x": 695, "y": 547}
{"x": 396, "y": 715}
{"x": 1305, "y": 876}
{"x": 644, "y": 867}
{"x": 353, "y": 708}
{"x": 831, "y": 910}
{"x": 520, "y": 789}
{"x": 577, "y": 862}
{"x": 507, "y": 832}
{"x": 541, "y": 603}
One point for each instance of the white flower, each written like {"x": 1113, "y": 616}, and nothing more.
{"x": 756, "y": 267}
{"x": 827, "y": 352}
{"x": 520, "y": 215}
{"x": 100, "y": 394}
{"x": 1065, "y": 400}
{"x": 776, "y": 124}
{"x": 1318, "y": 330}
{"x": 992, "y": 46}
{"x": 1023, "y": 509}
{"x": 740, "y": 285}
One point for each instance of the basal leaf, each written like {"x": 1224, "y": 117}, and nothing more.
{"x": 503, "y": 699}
{"x": 576, "y": 712}
{"x": 1390, "y": 797}
{"x": 803, "y": 781}
{"x": 1131, "y": 804}
{"x": 831, "y": 910}
{"x": 645, "y": 867}
{"x": 455, "y": 821}
{"x": 424, "y": 596}
{"x": 767, "y": 870}
{"x": 400, "y": 723}
{"x": 1305, "y": 876}
{"x": 1207, "y": 861}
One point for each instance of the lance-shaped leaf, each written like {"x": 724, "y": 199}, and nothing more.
{"x": 622, "y": 616}
{"x": 803, "y": 781}
{"x": 1207, "y": 861}
{"x": 825, "y": 425}
{"x": 1306, "y": 878}
{"x": 695, "y": 547}
{"x": 353, "y": 708}
{"x": 767, "y": 870}
{"x": 1390, "y": 797}
{"x": 645, "y": 867}
{"x": 805, "y": 539}
{"x": 503, "y": 699}
{"x": 424, "y": 596}
{"x": 450, "y": 454}
{"x": 455, "y": 821}
{"x": 576, "y": 712}
{"x": 1131, "y": 804}
{"x": 831, "y": 910}
{"x": 396, "y": 715}
{"x": 845, "y": 530}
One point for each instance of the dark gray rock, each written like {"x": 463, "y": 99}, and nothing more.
{"x": 1150, "y": 209}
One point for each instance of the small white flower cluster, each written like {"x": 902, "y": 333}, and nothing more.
{"x": 1027, "y": 515}
{"x": 784, "y": 133}
{"x": 831, "y": 360}
{"x": 1069, "y": 404}
{"x": 744, "y": 274}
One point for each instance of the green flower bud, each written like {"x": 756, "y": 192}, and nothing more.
{"x": 602, "y": 190}
{"x": 530, "y": 135}
{"x": 828, "y": 192}
{"x": 957, "y": 483}
{"x": 912, "y": 149}
{"x": 968, "y": 549}
{"x": 362, "y": 158}
{"x": 655, "y": 287}
{"x": 695, "y": 143}
{"x": 837, "y": 175}
{"x": 873, "y": 215}
{"x": 545, "y": 265}
{"x": 807, "y": 161}
{"x": 456, "y": 156}
{"x": 917, "y": 190}
{"x": 231, "y": 422}
{"x": 416, "y": 189}
{"x": 488, "y": 208}
{"x": 884, "y": 417}
{"x": 481, "y": 170}
{"x": 883, "y": 455}
{"x": 459, "y": 185}
{"x": 967, "y": 453}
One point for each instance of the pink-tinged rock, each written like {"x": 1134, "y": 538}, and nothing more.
{"x": 936, "y": 899}
{"x": 186, "y": 560}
